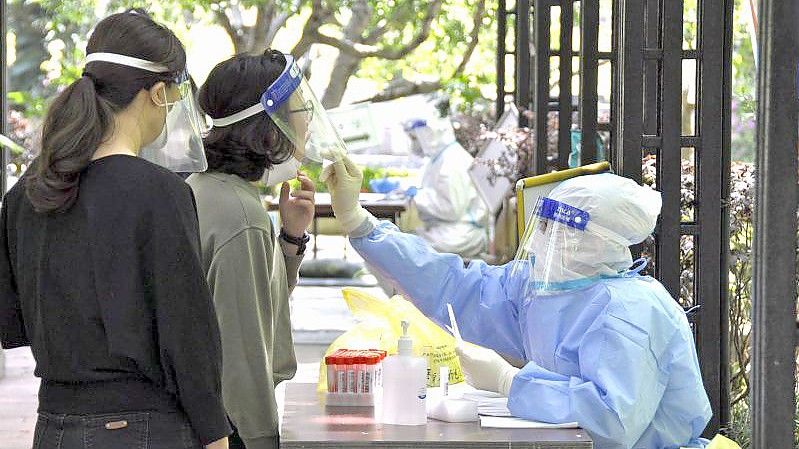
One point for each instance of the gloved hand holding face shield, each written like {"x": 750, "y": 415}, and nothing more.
{"x": 293, "y": 107}
{"x": 581, "y": 232}
{"x": 179, "y": 146}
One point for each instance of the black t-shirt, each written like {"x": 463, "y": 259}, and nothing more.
{"x": 112, "y": 298}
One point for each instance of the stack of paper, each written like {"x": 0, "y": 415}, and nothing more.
{"x": 488, "y": 403}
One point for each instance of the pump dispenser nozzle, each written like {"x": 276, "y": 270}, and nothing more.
{"x": 405, "y": 344}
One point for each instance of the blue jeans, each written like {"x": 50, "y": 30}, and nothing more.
{"x": 127, "y": 430}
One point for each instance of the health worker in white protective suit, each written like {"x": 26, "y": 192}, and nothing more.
{"x": 602, "y": 345}
{"x": 453, "y": 216}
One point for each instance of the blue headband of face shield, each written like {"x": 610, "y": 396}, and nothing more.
{"x": 413, "y": 124}
{"x": 273, "y": 97}
{"x": 563, "y": 213}
{"x": 285, "y": 85}
{"x": 576, "y": 218}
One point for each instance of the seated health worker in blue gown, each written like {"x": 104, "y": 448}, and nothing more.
{"x": 602, "y": 345}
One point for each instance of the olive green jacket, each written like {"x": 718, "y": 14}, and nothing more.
{"x": 251, "y": 281}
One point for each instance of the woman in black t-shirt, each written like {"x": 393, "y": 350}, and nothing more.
{"x": 100, "y": 268}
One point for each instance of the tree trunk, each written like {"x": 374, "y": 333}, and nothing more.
{"x": 26, "y": 73}
{"x": 346, "y": 65}
{"x": 257, "y": 35}
{"x": 343, "y": 69}
{"x": 233, "y": 31}
{"x": 319, "y": 16}
{"x": 405, "y": 88}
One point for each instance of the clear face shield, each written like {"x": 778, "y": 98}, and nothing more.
{"x": 562, "y": 249}
{"x": 429, "y": 139}
{"x": 418, "y": 132}
{"x": 179, "y": 146}
{"x": 293, "y": 107}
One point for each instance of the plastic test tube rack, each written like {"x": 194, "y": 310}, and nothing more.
{"x": 354, "y": 377}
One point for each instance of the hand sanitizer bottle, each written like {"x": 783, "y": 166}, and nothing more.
{"x": 405, "y": 385}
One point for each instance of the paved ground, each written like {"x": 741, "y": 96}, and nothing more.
{"x": 319, "y": 314}
{"x": 18, "y": 400}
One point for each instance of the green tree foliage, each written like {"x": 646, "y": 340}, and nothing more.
{"x": 386, "y": 36}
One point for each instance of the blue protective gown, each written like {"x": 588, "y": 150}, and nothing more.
{"x": 617, "y": 356}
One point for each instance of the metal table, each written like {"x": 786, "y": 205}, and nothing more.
{"x": 307, "y": 423}
{"x": 373, "y": 202}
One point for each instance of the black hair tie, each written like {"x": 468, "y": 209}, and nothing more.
{"x": 86, "y": 74}
{"x": 273, "y": 54}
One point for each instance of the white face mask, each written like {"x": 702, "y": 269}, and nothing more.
{"x": 173, "y": 111}
{"x": 160, "y": 141}
{"x": 281, "y": 172}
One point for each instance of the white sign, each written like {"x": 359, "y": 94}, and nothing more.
{"x": 356, "y": 127}
{"x": 492, "y": 190}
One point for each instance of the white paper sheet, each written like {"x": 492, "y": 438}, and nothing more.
{"x": 518, "y": 423}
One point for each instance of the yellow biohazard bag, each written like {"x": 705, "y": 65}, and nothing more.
{"x": 379, "y": 328}
{"x": 722, "y": 442}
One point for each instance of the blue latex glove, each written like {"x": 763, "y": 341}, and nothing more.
{"x": 411, "y": 192}
{"x": 384, "y": 185}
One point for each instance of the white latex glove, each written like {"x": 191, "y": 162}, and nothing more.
{"x": 485, "y": 369}
{"x": 343, "y": 179}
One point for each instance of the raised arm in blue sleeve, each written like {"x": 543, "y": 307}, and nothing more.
{"x": 480, "y": 294}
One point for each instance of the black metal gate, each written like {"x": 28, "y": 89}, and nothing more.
{"x": 646, "y": 48}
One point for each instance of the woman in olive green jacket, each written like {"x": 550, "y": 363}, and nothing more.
{"x": 251, "y": 267}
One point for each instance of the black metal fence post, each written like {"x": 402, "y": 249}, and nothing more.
{"x": 502, "y": 51}
{"x": 541, "y": 41}
{"x": 3, "y": 91}
{"x": 668, "y": 158}
{"x": 522, "y": 48}
{"x": 565, "y": 106}
{"x": 774, "y": 271}
{"x": 630, "y": 44}
{"x": 712, "y": 174}
{"x": 589, "y": 68}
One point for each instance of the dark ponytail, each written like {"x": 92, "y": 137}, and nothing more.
{"x": 83, "y": 114}
{"x": 75, "y": 125}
